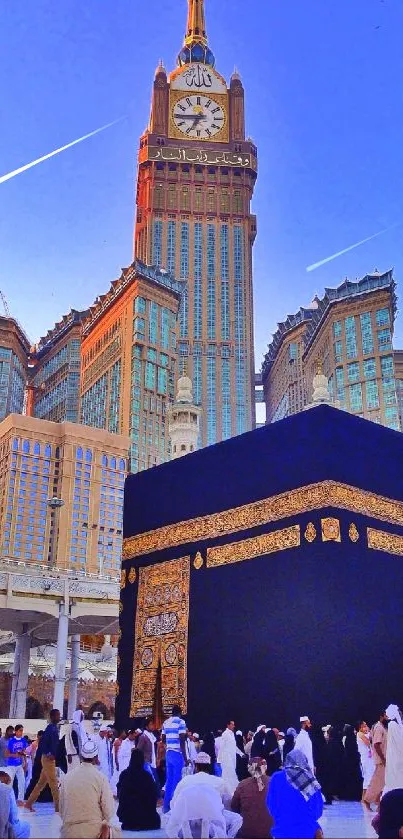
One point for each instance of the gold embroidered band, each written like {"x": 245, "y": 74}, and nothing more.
{"x": 268, "y": 543}
{"x": 391, "y": 543}
{"x": 277, "y": 507}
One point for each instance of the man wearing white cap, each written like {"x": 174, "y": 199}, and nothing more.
{"x": 304, "y": 742}
{"x": 87, "y": 808}
{"x": 202, "y": 780}
{"x": 104, "y": 746}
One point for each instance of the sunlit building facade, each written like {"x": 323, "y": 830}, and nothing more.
{"x": 83, "y": 467}
{"x": 54, "y": 385}
{"x": 196, "y": 176}
{"x": 350, "y": 330}
{"x": 129, "y": 361}
{"x": 14, "y": 349}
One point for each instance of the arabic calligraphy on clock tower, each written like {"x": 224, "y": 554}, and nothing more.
{"x": 196, "y": 177}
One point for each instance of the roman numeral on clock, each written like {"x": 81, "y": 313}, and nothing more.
{"x": 189, "y": 101}
{"x": 214, "y": 111}
{"x": 182, "y": 108}
{"x": 198, "y": 100}
{"x": 208, "y": 103}
{"x": 208, "y": 132}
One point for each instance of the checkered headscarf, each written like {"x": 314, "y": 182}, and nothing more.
{"x": 299, "y": 774}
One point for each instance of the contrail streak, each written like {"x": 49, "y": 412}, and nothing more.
{"x": 351, "y": 248}
{"x": 27, "y": 166}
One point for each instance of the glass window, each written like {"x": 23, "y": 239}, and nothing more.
{"x": 122, "y": 465}
{"x": 382, "y": 317}
{"x": 15, "y": 444}
{"x": 355, "y": 397}
{"x": 369, "y": 368}
{"x": 104, "y": 460}
{"x": 337, "y": 329}
{"x": 139, "y": 305}
{"x": 149, "y": 380}
{"x": 372, "y": 394}
{"x": 338, "y": 351}
{"x": 37, "y": 448}
{"x": 88, "y": 455}
{"x": 384, "y": 339}
{"x": 366, "y": 333}
{"x": 79, "y": 453}
{"x": 48, "y": 450}
{"x": 293, "y": 352}
{"x": 25, "y": 446}
{"x": 351, "y": 339}
{"x": 353, "y": 371}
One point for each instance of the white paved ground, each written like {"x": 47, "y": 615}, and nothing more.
{"x": 343, "y": 820}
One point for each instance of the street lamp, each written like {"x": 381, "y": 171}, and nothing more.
{"x": 54, "y": 505}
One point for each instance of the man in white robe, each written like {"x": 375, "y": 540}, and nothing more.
{"x": 125, "y": 751}
{"x": 87, "y": 808}
{"x": 104, "y": 746}
{"x": 227, "y": 757}
{"x": 202, "y": 780}
{"x": 394, "y": 750}
{"x": 304, "y": 742}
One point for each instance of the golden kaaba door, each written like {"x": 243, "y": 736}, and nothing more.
{"x": 161, "y": 638}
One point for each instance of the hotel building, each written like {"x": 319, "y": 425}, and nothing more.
{"x": 350, "y": 329}
{"x": 14, "y": 349}
{"x": 83, "y": 467}
{"x": 128, "y": 361}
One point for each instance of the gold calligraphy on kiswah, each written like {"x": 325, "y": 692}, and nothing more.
{"x": 258, "y": 513}
{"x": 267, "y": 543}
{"x": 206, "y": 158}
{"x": 379, "y": 540}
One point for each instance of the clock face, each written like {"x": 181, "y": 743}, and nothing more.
{"x": 198, "y": 117}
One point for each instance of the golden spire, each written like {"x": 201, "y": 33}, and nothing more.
{"x": 196, "y": 26}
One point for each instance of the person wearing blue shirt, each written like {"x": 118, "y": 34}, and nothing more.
{"x": 16, "y": 758}
{"x": 174, "y": 735}
{"x": 295, "y": 800}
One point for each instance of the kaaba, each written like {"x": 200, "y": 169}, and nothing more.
{"x": 262, "y": 577}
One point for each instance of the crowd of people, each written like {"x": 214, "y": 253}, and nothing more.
{"x": 255, "y": 784}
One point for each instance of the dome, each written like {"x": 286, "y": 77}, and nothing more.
{"x": 196, "y": 52}
{"x": 185, "y": 387}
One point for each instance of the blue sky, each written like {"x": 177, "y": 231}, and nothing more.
{"x": 324, "y": 98}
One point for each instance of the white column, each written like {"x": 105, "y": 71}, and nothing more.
{"x": 19, "y": 685}
{"x": 61, "y": 655}
{"x": 73, "y": 681}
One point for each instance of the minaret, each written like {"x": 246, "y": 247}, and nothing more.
{"x": 183, "y": 420}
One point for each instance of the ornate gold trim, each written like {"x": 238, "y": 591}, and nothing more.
{"x": 132, "y": 576}
{"x": 279, "y": 540}
{"x": 379, "y": 540}
{"x": 330, "y": 530}
{"x": 310, "y": 532}
{"x": 122, "y": 579}
{"x": 353, "y": 532}
{"x": 285, "y": 505}
{"x": 198, "y": 561}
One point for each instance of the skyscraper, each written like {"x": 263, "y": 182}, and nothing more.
{"x": 14, "y": 349}
{"x": 54, "y": 384}
{"x": 196, "y": 177}
{"x": 350, "y": 330}
{"x": 129, "y": 361}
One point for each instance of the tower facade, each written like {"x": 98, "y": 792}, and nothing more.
{"x": 196, "y": 177}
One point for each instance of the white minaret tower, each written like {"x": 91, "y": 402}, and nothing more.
{"x": 184, "y": 420}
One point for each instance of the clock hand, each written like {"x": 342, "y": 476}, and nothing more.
{"x": 197, "y": 118}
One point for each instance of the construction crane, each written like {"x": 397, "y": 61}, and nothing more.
{"x": 5, "y": 305}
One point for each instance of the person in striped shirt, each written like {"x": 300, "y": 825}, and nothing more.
{"x": 174, "y": 736}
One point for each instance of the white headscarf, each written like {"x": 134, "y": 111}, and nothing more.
{"x": 79, "y": 727}
{"x": 393, "y": 713}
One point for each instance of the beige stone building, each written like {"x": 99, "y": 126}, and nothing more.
{"x": 83, "y": 467}
{"x": 129, "y": 361}
{"x": 350, "y": 329}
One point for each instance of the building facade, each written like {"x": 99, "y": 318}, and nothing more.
{"x": 54, "y": 384}
{"x": 14, "y": 350}
{"x": 83, "y": 467}
{"x": 129, "y": 361}
{"x": 350, "y": 329}
{"x": 196, "y": 176}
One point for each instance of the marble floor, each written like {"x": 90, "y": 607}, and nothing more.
{"x": 343, "y": 820}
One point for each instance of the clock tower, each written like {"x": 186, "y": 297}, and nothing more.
{"x": 196, "y": 177}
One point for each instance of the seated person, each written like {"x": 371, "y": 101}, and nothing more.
{"x": 201, "y": 779}
{"x": 250, "y": 801}
{"x": 137, "y": 795}
{"x": 21, "y": 830}
{"x": 389, "y": 821}
{"x": 295, "y": 800}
